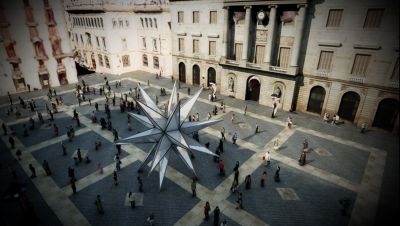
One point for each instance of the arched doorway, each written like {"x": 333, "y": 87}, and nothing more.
{"x": 182, "y": 72}
{"x": 316, "y": 99}
{"x": 196, "y": 75}
{"x": 211, "y": 76}
{"x": 93, "y": 62}
{"x": 385, "y": 116}
{"x": 349, "y": 105}
{"x": 253, "y": 89}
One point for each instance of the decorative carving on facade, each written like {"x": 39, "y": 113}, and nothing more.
{"x": 343, "y": 87}
{"x": 231, "y": 84}
{"x": 311, "y": 81}
{"x": 261, "y": 35}
{"x": 327, "y": 84}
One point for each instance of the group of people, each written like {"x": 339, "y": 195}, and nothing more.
{"x": 334, "y": 120}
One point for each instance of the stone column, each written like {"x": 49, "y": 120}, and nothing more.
{"x": 271, "y": 35}
{"x": 246, "y": 36}
{"x": 298, "y": 35}
{"x": 225, "y": 48}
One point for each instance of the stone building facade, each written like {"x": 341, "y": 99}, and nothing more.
{"x": 120, "y": 36}
{"x": 310, "y": 56}
{"x": 33, "y": 51}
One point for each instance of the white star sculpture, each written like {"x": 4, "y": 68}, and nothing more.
{"x": 168, "y": 131}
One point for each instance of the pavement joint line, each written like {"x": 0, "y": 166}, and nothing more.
{"x": 55, "y": 140}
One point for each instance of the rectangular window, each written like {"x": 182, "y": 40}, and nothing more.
{"x": 144, "y": 42}
{"x": 155, "y": 62}
{"x": 212, "y": 48}
{"x": 180, "y": 17}
{"x": 334, "y": 18}
{"x": 145, "y": 62}
{"x": 124, "y": 44}
{"x": 120, "y": 22}
{"x": 360, "y": 65}
{"x": 196, "y": 17}
{"x": 154, "y": 44}
{"x": 395, "y": 74}
{"x": 195, "y": 46}
{"x": 126, "y": 22}
{"x": 181, "y": 43}
{"x": 373, "y": 18}
{"x": 213, "y": 17}
{"x": 259, "y": 58}
{"x": 238, "y": 51}
{"x": 97, "y": 42}
{"x": 100, "y": 59}
{"x": 114, "y": 22}
{"x": 125, "y": 61}
{"x": 104, "y": 43}
{"x": 325, "y": 61}
{"x": 107, "y": 61}
{"x": 284, "y": 55}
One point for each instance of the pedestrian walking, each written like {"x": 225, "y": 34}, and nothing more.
{"x": 96, "y": 106}
{"x": 150, "y": 218}
{"x": 221, "y": 146}
{"x": 131, "y": 199}
{"x": 276, "y": 177}
{"x": 115, "y": 133}
{"x": 100, "y": 168}
{"x": 289, "y": 122}
{"x": 188, "y": 91}
{"x": 207, "y": 209}
{"x": 33, "y": 171}
{"x": 233, "y": 118}
{"x": 247, "y": 181}
{"x": 12, "y": 142}
{"x": 4, "y": 128}
{"x": 73, "y": 185}
{"x": 115, "y": 177}
{"x": 99, "y": 204}
{"x": 363, "y": 128}
{"x": 234, "y": 137}
{"x": 223, "y": 133}
{"x": 18, "y": 153}
{"x": 234, "y": 184}
{"x": 216, "y": 216}
{"x": 193, "y": 186}
{"x": 221, "y": 167}
{"x": 140, "y": 183}
{"x": 79, "y": 155}
{"x": 78, "y": 122}
{"x": 256, "y": 131}
{"x": 64, "y": 149}
{"x": 245, "y": 110}
{"x": 46, "y": 167}
{"x": 267, "y": 158}
{"x": 263, "y": 178}
{"x": 236, "y": 176}
{"x": 239, "y": 201}
{"x": 209, "y": 116}
{"x": 71, "y": 173}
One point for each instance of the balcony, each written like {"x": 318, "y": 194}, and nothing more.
{"x": 14, "y": 59}
{"x": 41, "y": 57}
{"x": 278, "y": 69}
{"x": 323, "y": 73}
{"x": 60, "y": 68}
{"x": 356, "y": 79}
{"x": 17, "y": 74}
{"x": 42, "y": 70}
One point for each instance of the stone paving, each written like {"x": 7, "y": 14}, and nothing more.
{"x": 342, "y": 163}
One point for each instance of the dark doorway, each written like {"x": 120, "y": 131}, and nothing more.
{"x": 316, "y": 99}
{"x": 349, "y": 105}
{"x": 253, "y": 89}
{"x": 196, "y": 75}
{"x": 93, "y": 62}
{"x": 62, "y": 77}
{"x": 211, "y": 76}
{"x": 82, "y": 70}
{"x": 182, "y": 72}
{"x": 386, "y": 114}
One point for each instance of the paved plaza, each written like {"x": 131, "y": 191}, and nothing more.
{"x": 342, "y": 164}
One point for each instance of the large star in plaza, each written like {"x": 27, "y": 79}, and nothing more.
{"x": 168, "y": 132}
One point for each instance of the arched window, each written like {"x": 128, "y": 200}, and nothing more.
{"x": 145, "y": 62}
{"x": 386, "y": 114}
{"x": 196, "y": 75}
{"x": 211, "y": 76}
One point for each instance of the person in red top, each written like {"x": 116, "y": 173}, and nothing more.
{"x": 221, "y": 167}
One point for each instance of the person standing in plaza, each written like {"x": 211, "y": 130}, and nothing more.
{"x": 289, "y": 122}
{"x": 216, "y": 216}
{"x": 33, "y": 171}
{"x": 234, "y": 137}
{"x": 363, "y": 128}
{"x": 247, "y": 181}
{"x": 221, "y": 146}
{"x": 96, "y": 106}
{"x": 223, "y": 133}
{"x": 73, "y": 185}
{"x": 115, "y": 177}
{"x": 221, "y": 167}
{"x": 115, "y": 133}
{"x": 245, "y": 110}
{"x": 207, "y": 209}
{"x": 4, "y": 128}
{"x": 263, "y": 178}
{"x": 188, "y": 91}
{"x": 131, "y": 199}
{"x": 12, "y": 142}
{"x": 233, "y": 118}
{"x": 117, "y": 163}
{"x": 239, "y": 201}
{"x": 256, "y": 131}
{"x": 46, "y": 167}
{"x": 140, "y": 183}
{"x": 276, "y": 177}
{"x": 193, "y": 186}
{"x": 99, "y": 205}
{"x": 79, "y": 155}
